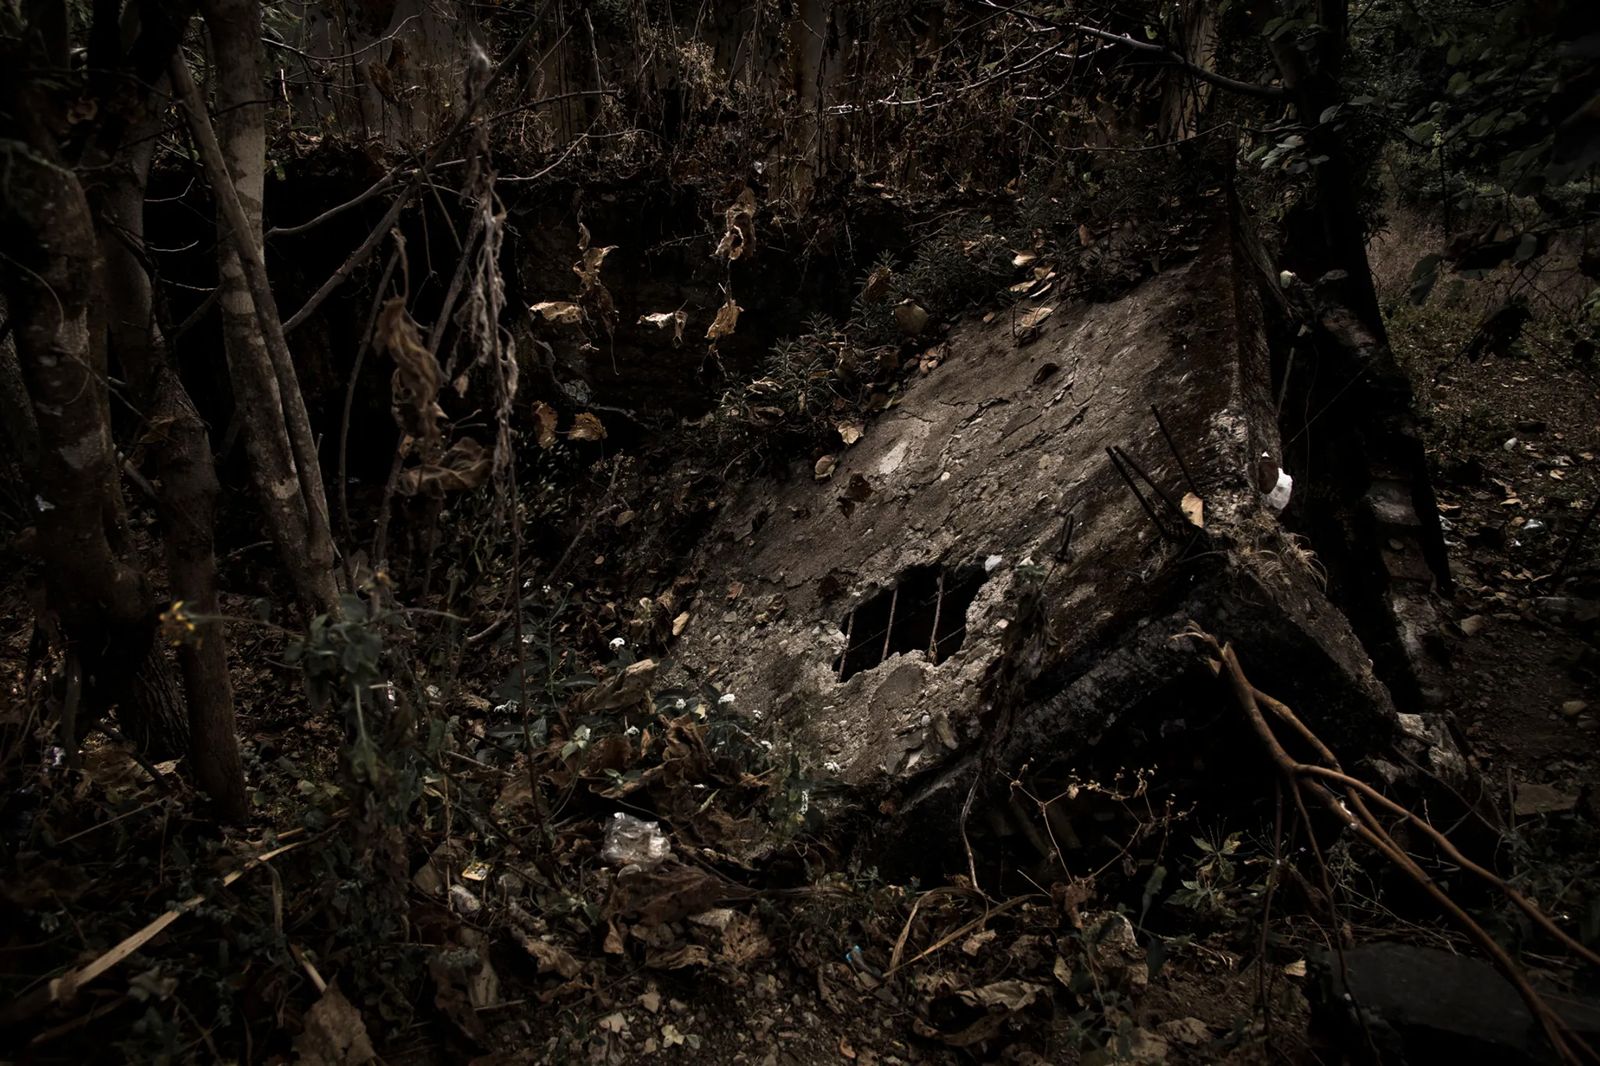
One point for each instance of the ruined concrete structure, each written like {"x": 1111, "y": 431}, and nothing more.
{"x": 887, "y": 615}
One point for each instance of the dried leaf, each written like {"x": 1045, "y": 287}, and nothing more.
{"x": 727, "y": 319}
{"x": 677, "y": 958}
{"x": 415, "y": 385}
{"x": 586, "y": 426}
{"x": 545, "y": 416}
{"x": 550, "y": 957}
{"x": 824, "y": 468}
{"x": 464, "y": 466}
{"x": 1007, "y": 995}
{"x": 559, "y": 312}
{"x": 850, "y": 431}
{"x": 663, "y": 319}
{"x": 623, "y": 690}
{"x": 877, "y": 287}
{"x": 1033, "y": 318}
{"x": 334, "y": 1034}
{"x": 594, "y": 297}
{"x": 1194, "y": 509}
{"x": 739, "y": 240}
{"x": 910, "y": 317}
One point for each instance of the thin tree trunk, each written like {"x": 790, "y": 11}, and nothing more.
{"x": 51, "y": 271}
{"x": 21, "y": 435}
{"x": 266, "y": 389}
{"x": 186, "y": 494}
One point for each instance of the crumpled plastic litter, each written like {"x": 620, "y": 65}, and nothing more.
{"x": 635, "y": 844}
{"x": 1278, "y": 498}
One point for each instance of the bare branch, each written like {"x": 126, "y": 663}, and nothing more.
{"x": 1221, "y": 81}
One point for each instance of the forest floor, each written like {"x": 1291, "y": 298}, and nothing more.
{"x": 1513, "y": 442}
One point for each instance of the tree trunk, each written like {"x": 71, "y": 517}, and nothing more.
{"x": 186, "y": 492}
{"x": 51, "y": 272}
{"x": 21, "y": 435}
{"x": 266, "y": 393}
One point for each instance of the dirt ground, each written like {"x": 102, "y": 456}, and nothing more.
{"x": 1513, "y": 441}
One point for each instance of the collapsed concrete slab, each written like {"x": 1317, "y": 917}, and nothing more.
{"x": 977, "y": 587}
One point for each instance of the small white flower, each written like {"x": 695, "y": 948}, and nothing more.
{"x": 726, "y": 697}
{"x": 631, "y": 731}
{"x": 679, "y": 704}
{"x": 832, "y": 767}
{"x": 617, "y": 642}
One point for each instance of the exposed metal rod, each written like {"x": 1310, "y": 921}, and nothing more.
{"x": 1172, "y": 505}
{"x": 1128, "y": 478}
{"x": 1175, "y": 453}
{"x": 888, "y": 633}
{"x": 849, "y": 628}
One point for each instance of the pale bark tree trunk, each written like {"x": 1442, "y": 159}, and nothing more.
{"x": 186, "y": 491}
{"x": 266, "y": 392}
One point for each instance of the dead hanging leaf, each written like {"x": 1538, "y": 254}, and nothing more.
{"x": 663, "y": 319}
{"x": 415, "y": 385}
{"x": 334, "y": 1034}
{"x": 850, "y": 430}
{"x": 1194, "y": 509}
{"x": 726, "y": 321}
{"x": 594, "y": 297}
{"x": 586, "y": 426}
{"x": 464, "y": 466}
{"x": 559, "y": 312}
{"x": 545, "y": 416}
{"x": 877, "y": 287}
{"x": 739, "y": 240}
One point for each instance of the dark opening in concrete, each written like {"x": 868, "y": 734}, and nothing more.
{"x": 925, "y": 610}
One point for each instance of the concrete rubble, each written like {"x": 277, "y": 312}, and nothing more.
{"x": 880, "y": 608}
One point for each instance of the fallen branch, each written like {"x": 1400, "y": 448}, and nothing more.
{"x": 64, "y": 988}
